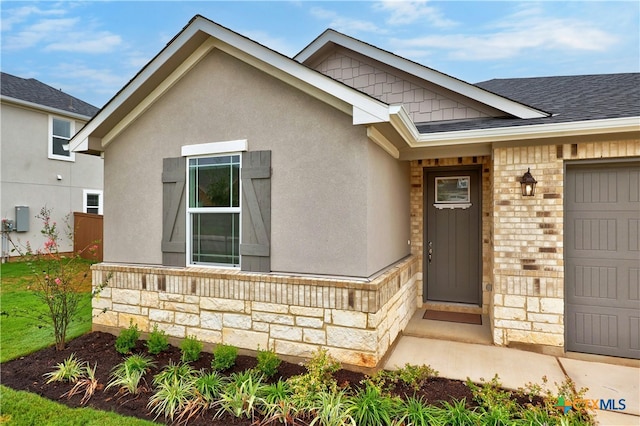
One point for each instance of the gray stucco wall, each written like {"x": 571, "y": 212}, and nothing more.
{"x": 321, "y": 169}
{"x": 29, "y": 177}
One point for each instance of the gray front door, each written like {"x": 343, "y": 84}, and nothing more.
{"x": 452, "y": 249}
{"x": 602, "y": 259}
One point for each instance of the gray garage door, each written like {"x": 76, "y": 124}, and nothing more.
{"x": 602, "y": 259}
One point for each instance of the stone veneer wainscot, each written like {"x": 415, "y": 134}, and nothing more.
{"x": 356, "y": 321}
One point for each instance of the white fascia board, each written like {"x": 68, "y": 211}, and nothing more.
{"x": 133, "y": 85}
{"x": 377, "y": 110}
{"x": 466, "y": 89}
{"x": 162, "y": 88}
{"x": 537, "y": 131}
{"x": 44, "y": 108}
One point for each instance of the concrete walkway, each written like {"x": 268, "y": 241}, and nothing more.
{"x": 517, "y": 368}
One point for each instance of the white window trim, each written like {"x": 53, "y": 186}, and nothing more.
{"x": 72, "y": 131}
{"x": 86, "y": 192}
{"x": 213, "y": 149}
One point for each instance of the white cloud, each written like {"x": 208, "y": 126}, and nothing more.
{"x": 407, "y": 12}
{"x": 78, "y": 79}
{"x": 78, "y": 42}
{"x": 21, "y": 14}
{"x": 525, "y": 30}
{"x": 66, "y": 34}
{"x": 344, "y": 24}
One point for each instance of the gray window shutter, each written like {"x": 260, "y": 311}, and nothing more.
{"x": 256, "y": 211}
{"x": 174, "y": 240}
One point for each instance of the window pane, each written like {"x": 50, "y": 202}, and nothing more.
{"x": 93, "y": 200}
{"x": 61, "y": 128}
{"x": 216, "y": 238}
{"x": 93, "y": 210}
{"x": 214, "y": 181}
{"x": 58, "y": 147}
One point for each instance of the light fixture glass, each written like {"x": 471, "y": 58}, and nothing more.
{"x": 528, "y": 184}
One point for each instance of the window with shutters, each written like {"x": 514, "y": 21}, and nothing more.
{"x": 213, "y": 210}
{"x": 60, "y": 132}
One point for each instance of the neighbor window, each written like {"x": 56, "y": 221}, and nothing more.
{"x": 214, "y": 210}
{"x": 92, "y": 201}
{"x": 60, "y": 132}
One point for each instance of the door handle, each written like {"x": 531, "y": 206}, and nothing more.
{"x": 430, "y": 251}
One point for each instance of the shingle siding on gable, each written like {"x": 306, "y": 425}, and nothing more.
{"x": 422, "y": 104}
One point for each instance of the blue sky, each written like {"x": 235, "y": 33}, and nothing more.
{"x": 90, "y": 49}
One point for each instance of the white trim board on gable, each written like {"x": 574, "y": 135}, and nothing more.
{"x": 503, "y": 104}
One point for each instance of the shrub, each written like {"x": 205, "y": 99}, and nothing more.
{"x": 129, "y": 373}
{"x": 268, "y": 362}
{"x": 87, "y": 383}
{"x": 457, "y": 414}
{"x": 241, "y": 396}
{"x": 173, "y": 372}
{"x": 175, "y": 387}
{"x": 410, "y": 375}
{"x": 127, "y": 339}
{"x": 56, "y": 278}
{"x": 331, "y": 409}
{"x": 371, "y": 407}
{"x": 190, "y": 348}
{"x": 69, "y": 370}
{"x": 158, "y": 341}
{"x": 207, "y": 388}
{"x": 318, "y": 378}
{"x": 417, "y": 412}
{"x": 224, "y": 357}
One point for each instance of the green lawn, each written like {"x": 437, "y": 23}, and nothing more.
{"x": 20, "y": 335}
{"x": 21, "y": 331}
{"x": 23, "y": 408}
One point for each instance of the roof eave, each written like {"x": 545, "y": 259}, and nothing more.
{"x": 501, "y": 103}
{"x": 482, "y": 141}
{"x": 45, "y": 108}
{"x": 364, "y": 109}
{"x": 527, "y": 132}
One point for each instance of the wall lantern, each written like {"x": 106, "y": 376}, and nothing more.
{"x": 528, "y": 184}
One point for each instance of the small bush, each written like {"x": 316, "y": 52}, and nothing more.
{"x": 371, "y": 407}
{"x": 69, "y": 370}
{"x": 158, "y": 341}
{"x": 241, "y": 396}
{"x": 87, "y": 383}
{"x": 174, "y": 389}
{"x": 224, "y": 357}
{"x": 268, "y": 362}
{"x": 190, "y": 348}
{"x": 127, "y": 339}
{"x": 128, "y": 374}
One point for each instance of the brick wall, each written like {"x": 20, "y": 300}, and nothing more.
{"x": 356, "y": 321}
{"x": 528, "y": 297}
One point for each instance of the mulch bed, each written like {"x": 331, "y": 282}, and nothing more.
{"x": 26, "y": 373}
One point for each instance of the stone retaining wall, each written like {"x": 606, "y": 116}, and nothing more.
{"x": 356, "y": 321}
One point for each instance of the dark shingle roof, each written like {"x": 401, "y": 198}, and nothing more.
{"x": 31, "y": 90}
{"x": 568, "y": 98}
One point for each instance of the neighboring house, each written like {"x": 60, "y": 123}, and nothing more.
{"x": 38, "y": 169}
{"x": 256, "y": 199}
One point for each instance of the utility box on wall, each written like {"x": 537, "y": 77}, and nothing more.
{"x": 22, "y": 219}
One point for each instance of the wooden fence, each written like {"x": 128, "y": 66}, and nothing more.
{"x": 87, "y": 231}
